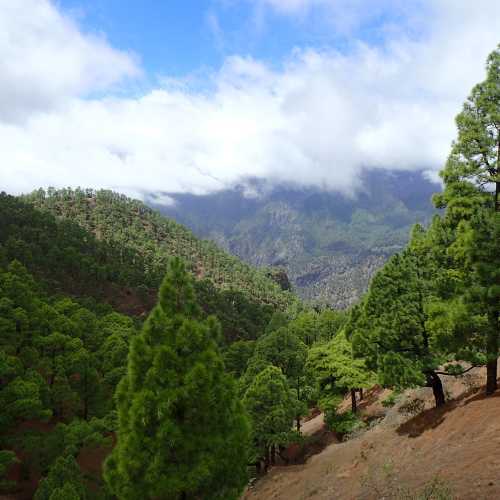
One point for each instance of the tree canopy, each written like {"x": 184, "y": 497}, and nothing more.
{"x": 182, "y": 431}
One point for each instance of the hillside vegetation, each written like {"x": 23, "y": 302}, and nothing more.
{"x": 64, "y": 347}
{"x": 142, "y": 241}
{"x": 70, "y": 259}
{"x": 438, "y": 454}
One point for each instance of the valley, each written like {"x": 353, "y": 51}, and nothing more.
{"x": 330, "y": 244}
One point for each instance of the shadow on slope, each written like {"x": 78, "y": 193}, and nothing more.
{"x": 434, "y": 417}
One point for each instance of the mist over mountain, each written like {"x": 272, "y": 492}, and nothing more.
{"x": 330, "y": 244}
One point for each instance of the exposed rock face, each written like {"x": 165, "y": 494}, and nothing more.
{"x": 279, "y": 276}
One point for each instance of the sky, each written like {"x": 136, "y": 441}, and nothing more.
{"x": 197, "y": 96}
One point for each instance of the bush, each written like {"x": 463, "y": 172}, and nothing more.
{"x": 343, "y": 423}
{"x": 412, "y": 407}
{"x": 434, "y": 490}
{"x": 383, "y": 482}
{"x": 390, "y": 400}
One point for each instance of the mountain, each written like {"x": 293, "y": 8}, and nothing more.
{"x": 330, "y": 244}
{"x": 106, "y": 250}
{"x": 142, "y": 241}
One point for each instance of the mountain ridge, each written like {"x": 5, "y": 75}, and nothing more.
{"x": 329, "y": 243}
{"x": 146, "y": 238}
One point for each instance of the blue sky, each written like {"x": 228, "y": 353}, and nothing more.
{"x": 170, "y": 37}
{"x": 178, "y": 37}
{"x": 196, "y": 96}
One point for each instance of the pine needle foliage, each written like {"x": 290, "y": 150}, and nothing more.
{"x": 182, "y": 430}
{"x": 471, "y": 198}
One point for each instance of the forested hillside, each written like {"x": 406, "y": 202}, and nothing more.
{"x": 64, "y": 350}
{"x": 329, "y": 243}
{"x": 142, "y": 241}
{"x": 71, "y": 260}
{"x": 59, "y": 365}
{"x": 63, "y": 346}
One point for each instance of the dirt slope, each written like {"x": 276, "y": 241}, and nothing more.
{"x": 458, "y": 444}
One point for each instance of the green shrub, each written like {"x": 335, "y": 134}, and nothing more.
{"x": 390, "y": 400}
{"x": 343, "y": 423}
{"x": 434, "y": 490}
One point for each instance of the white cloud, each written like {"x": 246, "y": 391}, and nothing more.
{"x": 347, "y": 16}
{"x": 44, "y": 58}
{"x": 292, "y": 6}
{"x": 317, "y": 121}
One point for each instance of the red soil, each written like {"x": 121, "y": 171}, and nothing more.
{"x": 457, "y": 444}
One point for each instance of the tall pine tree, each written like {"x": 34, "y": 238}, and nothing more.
{"x": 472, "y": 201}
{"x": 272, "y": 407}
{"x": 182, "y": 430}
{"x": 390, "y": 328}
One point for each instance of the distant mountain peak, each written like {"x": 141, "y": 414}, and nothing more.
{"x": 329, "y": 243}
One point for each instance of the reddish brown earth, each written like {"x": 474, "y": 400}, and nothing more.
{"x": 457, "y": 445}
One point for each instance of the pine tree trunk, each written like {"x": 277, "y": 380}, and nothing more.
{"x": 492, "y": 347}
{"x": 361, "y": 394}
{"x": 298, "y": 397}
{"x": 283, "y": 456}
{"x": 492, "y": 353}
{"x": 434, "y": 381}
{"x": 273, "y": 454}
{"x": 258, "y": 466}
{"x": 353, "y": 400}
{"x": 491, "y": 377}
{"x": 266, "y": 459}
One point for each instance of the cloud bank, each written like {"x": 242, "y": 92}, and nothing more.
{"x": 44, "y": 59}
{"x": 316, "y": 121}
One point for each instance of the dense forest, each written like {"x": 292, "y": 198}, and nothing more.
{"x": 141, "y": 241}
{"x": 139, "y": 362}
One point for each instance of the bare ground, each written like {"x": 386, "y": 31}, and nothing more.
{"x": 457, "y": 444}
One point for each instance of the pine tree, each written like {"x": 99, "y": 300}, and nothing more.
{"x": 271, "y": 406}
{"x": 472, "y": 187}
{"x": 87, "y": 383}
{"x": 390, "y": 328}
{"x": 336, "y": 369}
{"x": 306, "y": 327}
{"x": 284, "y": 349}
{"x": 237, "y": 356}
{"x": 182, "y": 430}
{"x": 66, "y": 492}
{"x": 64, "y": 476}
